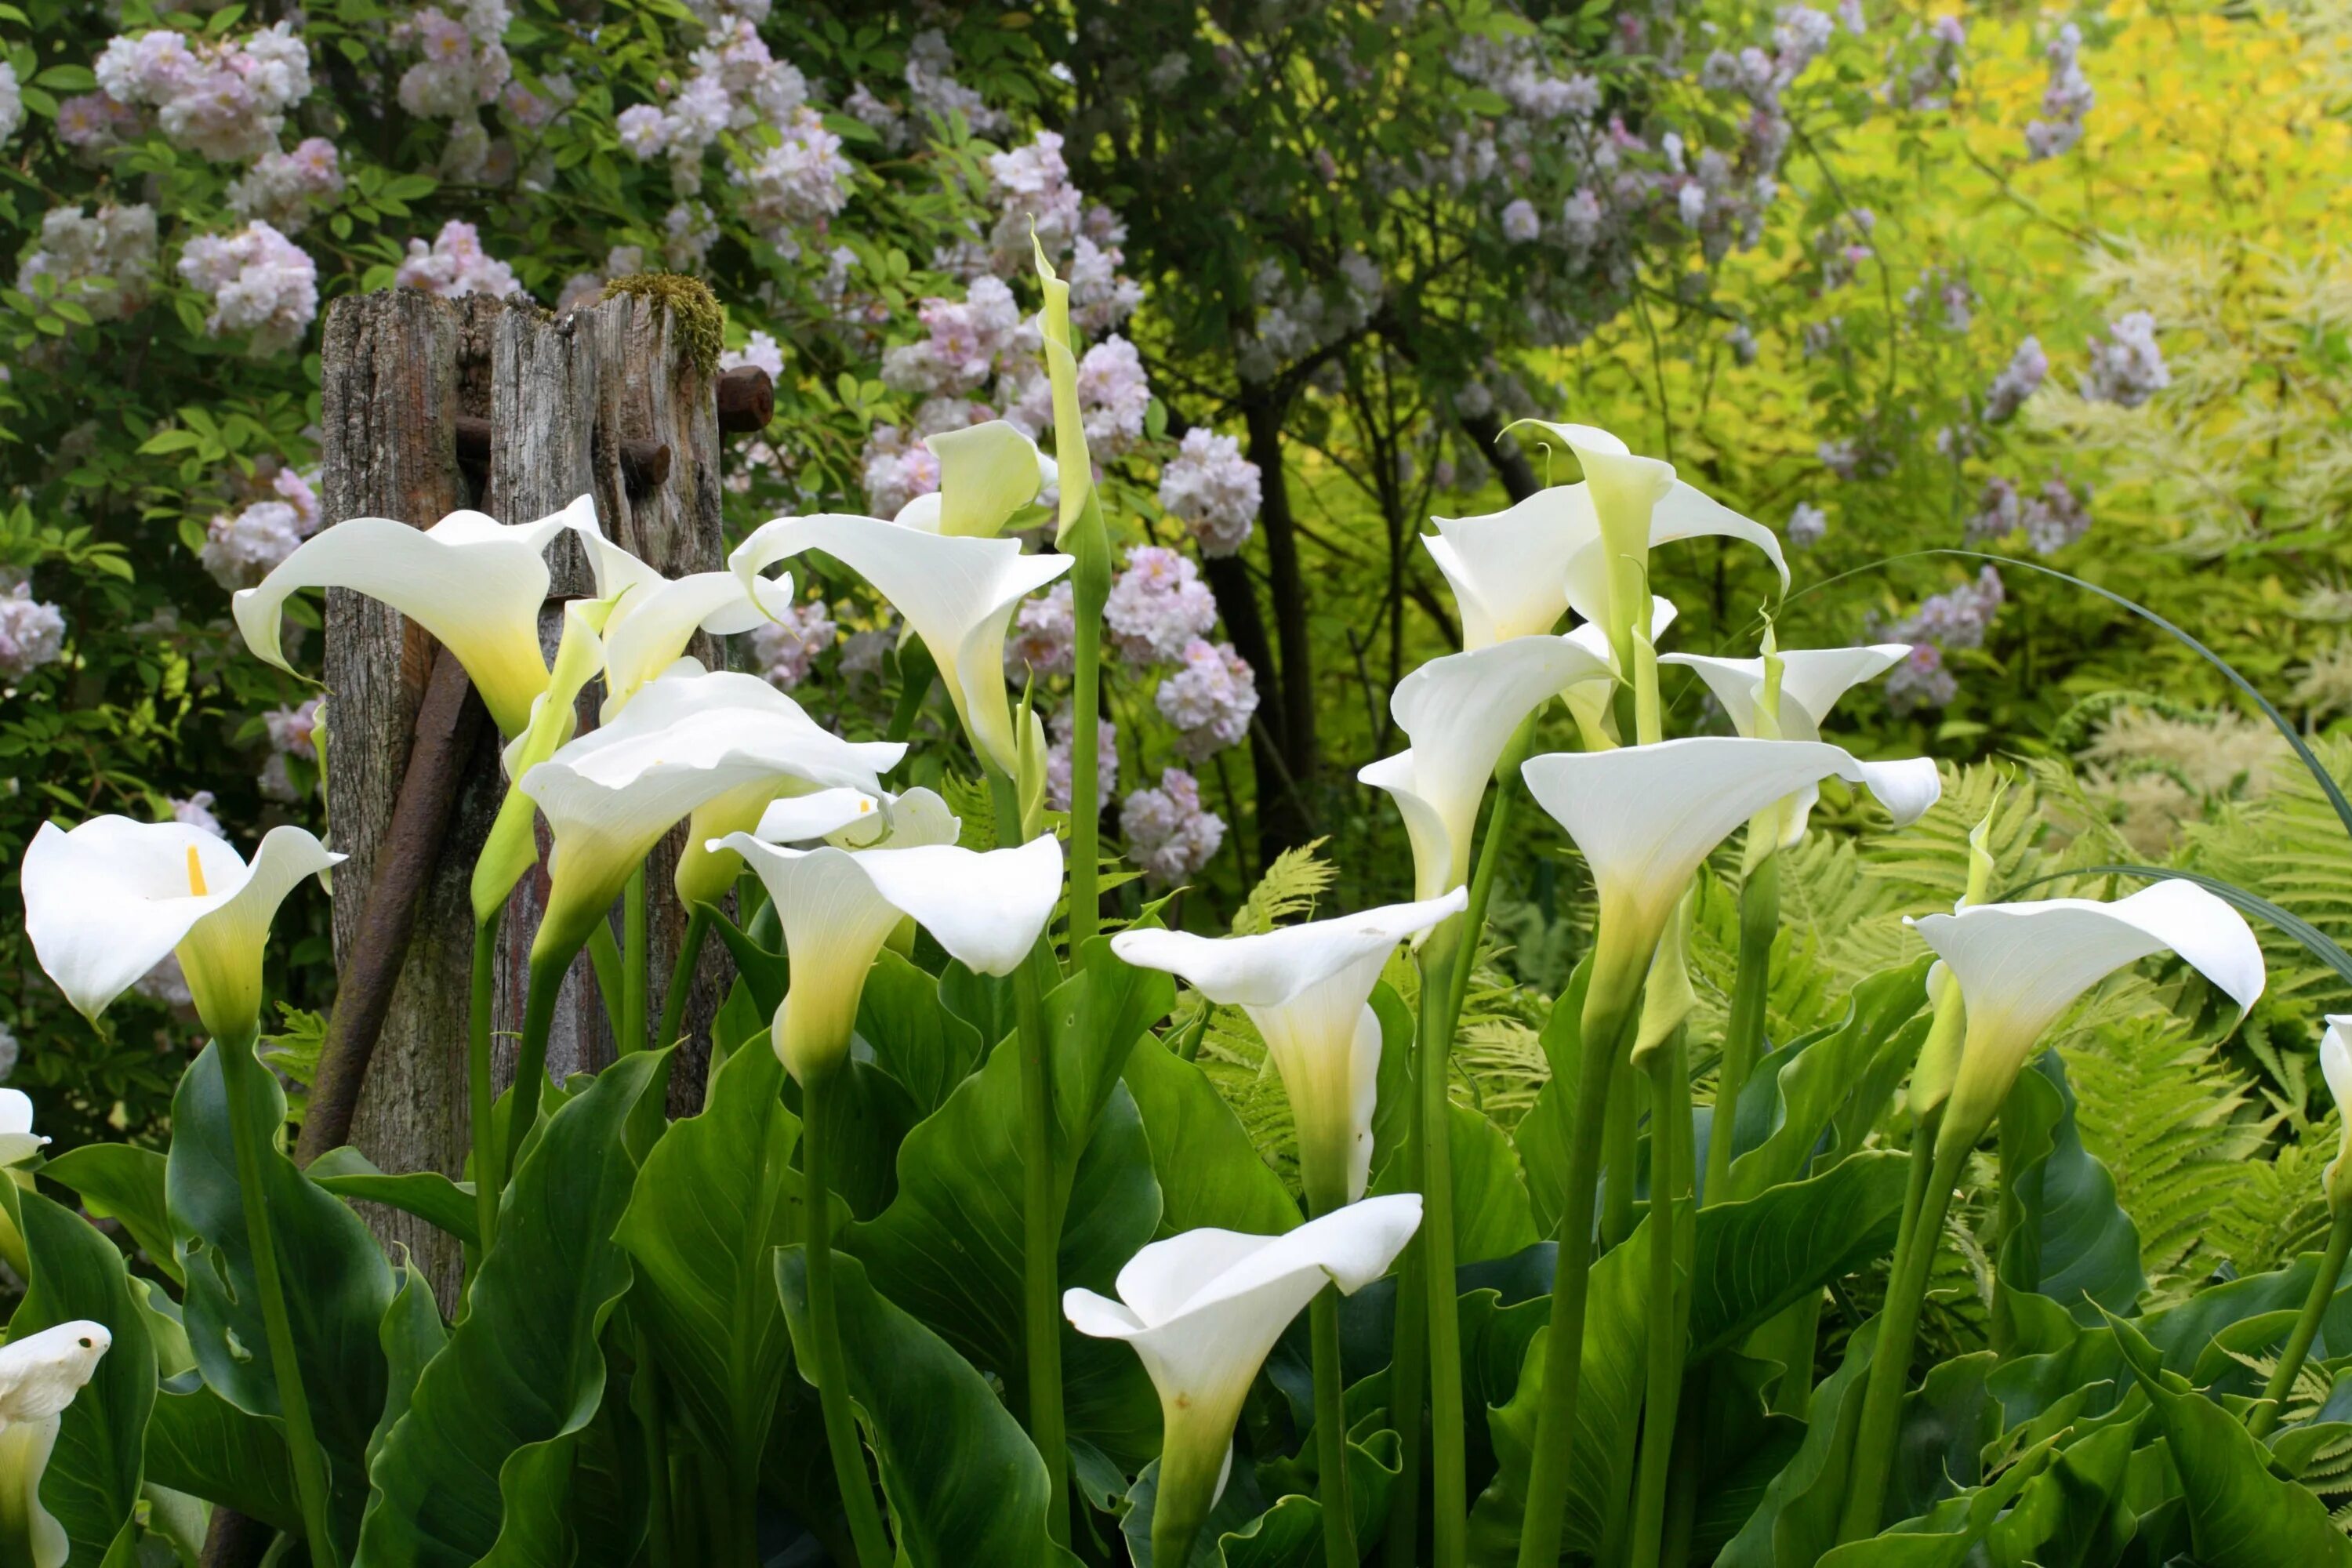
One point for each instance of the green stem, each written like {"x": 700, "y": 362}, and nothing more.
{"x": 1670, "y": 1159}
{"x": 481, "y": 1103}
{"x": 2306, "y": 1327}
{"x": 637, "y": 964}
{"x": 660, "y": 1528}
{"x": 1681, "y": 1503}
{"x": 1331, "y": 1431}
{"x": 1743, "y": 1036}
{"x": 1041, "y": 1247}
{"x": 832, "y": 1371}
{"x": 1621, "y": 1144}
{"x": 1612, "y": 1006}
{"x": 1490, "y": 860}
{"x": 1408, "y": 1368}
{"x": 681, "y": 975}
{"x": 1898, "y": 1330}
{"x": 916, "y": 673}
{"x": 605, "y": 958}
{"x": 240, "y": 1076}
{"x": 1449, "y": 1513}
{"x": 1791, "y": 1339}
{"x": 1092, "y": 588}
{"x": 530, "y": 1061}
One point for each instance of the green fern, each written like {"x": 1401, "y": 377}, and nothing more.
{"x": 1297, "y": 877}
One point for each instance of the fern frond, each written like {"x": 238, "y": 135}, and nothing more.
{"x": 1297, "y": 877}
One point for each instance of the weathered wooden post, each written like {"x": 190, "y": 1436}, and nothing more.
{"x": 433, "y": 404}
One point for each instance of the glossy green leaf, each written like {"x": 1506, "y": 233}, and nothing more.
{"x": 484, "y": 1457}
{"x": 200, "y": 1444}
{"x": 1493, "y": 1216}
{"x": 1244, "y": 1531}
{"x": 1816, "y": 1080}
{"x": 337, "y": 1281}
{"x": 2074, "y": 1513}
{"x": 2067, "y": 1237}
{"x": 428, "y": 1194}
{"x": 1209, "y": 1170}
{"x": 1541, "y": 1137}
{"x": 963, "y": 1483}
{"x": 122, "y": 1181}
{"x": 91, "y": 1484}
{"x": 716, "y": 1199}
{"x": 914, "y": 1038}
{"x": 1798, "y": 1519}
{"x": 412, "y": 1335}
{"x": 1945, "y": 1535}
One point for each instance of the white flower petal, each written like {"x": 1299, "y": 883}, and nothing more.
{"x": 1267, "y": 970}
{"x": 651, "y": 622}
{"x": 987, "y": 472}
{"x": 987, "y": 909}
{"x": 1811, "y": 682}
{"x": 40, "y": 1373}
{"x": 1508, "y": 570}
{"x": 795, "y": 819}
{"x": 474, "y": 583}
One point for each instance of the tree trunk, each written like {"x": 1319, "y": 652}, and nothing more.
{"x": 1504, "y": 454}
{"x": 1286, "y": 801}
{"x": 401, "y": 368}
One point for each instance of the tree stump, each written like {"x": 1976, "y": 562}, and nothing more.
{"x": 616, "y": 401}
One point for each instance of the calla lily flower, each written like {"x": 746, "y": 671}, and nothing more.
{"x": 778, "y": 811}
{"x": 987, "y": 472}
{"x": 472, "y": 582}
{"x": 512, "y": 846}
{"x": 840, "y": 905}
{"x": 1587, "y": 699}
{"x": 1459, "y": 713}
{"x": 18, "y": 1141}
{"x": 2019, "y": 966}
{"x": 1070, "y": 455}
{"x": 653, "y": 617}
{"x": 109, "y": 900}
{"x": 39, "y": 1376}
{"x": 958, "y": 595}
{"x": 1646, "y": 816}
{"x": 1811, "y": 682}
{"x": 1308, "y": 990}
{"x": 1203, "y": 1311}
{"x": 685, "y": 740}
{"x": 2336, "y": 1065}
{"x": 1508, "y": 568}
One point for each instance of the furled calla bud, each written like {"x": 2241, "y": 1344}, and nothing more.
{"x": 2336, "y": 1065}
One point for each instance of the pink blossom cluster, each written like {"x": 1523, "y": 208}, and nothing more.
{"x": 463, "y": 63}
{"x": 2129, "y": 368}
{"x": 197, "y": 811}
{"x": 1043, "y": 638}
{"x": 898, "y": 469}
{"x": 1030, "y": 187}
{"x": 455, "y": 265}
{"x": 105, "y": 262}
{"x": 1213, "y": 490}
{"x": 760, "y": 351}
{"x": 1059, "y": 776}
{"x": 12, "y": 103}
{"x": 784, "y": 649}
{"x": 1158, "y": 606}
{"x": 1210, "y": 699}
{"x": 2065, "y": 101}
{"x": 1958, "y": 618}
{"x": 32, "y": 634}
{"x": 293, "y": 735}
{"x": 242, "y": 547}
{"x": 2018, "y": 380}
{"x": 260, "y": 282}
{"x": 224, "y": 98}
{"x": 287, "y": 189}
{"x": 967, "y": 342}
{"x": 1114, "y": 395}
{"x": 1807, "y": 525}
{"x": 800, "y": 184}
{"x": 90, "y": 123}
{"x": 1167, "y": 833}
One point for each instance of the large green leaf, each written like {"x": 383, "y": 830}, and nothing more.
{"x": 412, "y": 1334}
{"x": 122, "y": 1181}
{"x": 336, "y": 1280}
{"x": 948, "y": 1248}
{"x": 200, "y": 1444}
{"x": 2074, "y": 1513}
{"x": 91, "y": 1486}
{"x": 1814, "y": 1081}
{"x": 1492, "y": 1214}
{"x": 717, "y": 1196}
{"x": 1542, "y": 1134}
{"x": 1244, "y": 1530}
{"x": 1948, "y": 1533}
{"x": 1209, "y": 1170}
{"x": 484, "y": 1457}
{"x": 2067, "y": 1238}
{"x": 2240, "y": 1515}
{"x": 1798, "y": 1519}
{"x": 963, "y": 1483}
{"x": 914, "y": 1037}
{"x": 428, "y": 1194}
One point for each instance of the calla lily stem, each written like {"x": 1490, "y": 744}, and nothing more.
{"x": 1621, "y": 1150}
{"x": 681, "y": 977}
{"x": 1330, "y": 1406}
{"x": 1743, "y": 1036}
{"x": 1670, "y": 1158}
{"x": 1443, "y": 953}
{"x": 2306, "y": 1327}
{"x": 240, "y": 1077}
{"x": 637, "y": 964}
{"x": 546, "y": 985}
{"x": 1408, "y": 1368}
{"x": 1090, "y": 589}
{"x": 1898, "y": 1331}
{"x": 481, "y": 1103}
{"x": 825, "y": 1325}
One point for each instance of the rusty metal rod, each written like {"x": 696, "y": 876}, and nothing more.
{"x": 747, "y": 400}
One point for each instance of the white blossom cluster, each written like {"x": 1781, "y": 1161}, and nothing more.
{"x": 783, "y": 650}
{"x": 455, "y": 265}
{"x": 2065, "y": 101}
{"x": 197, "y": 811}
{"x": 104, "y": 262}
{"x": 12, "y": 103}
{"x": 242, "y": 547}
{"x": 799, "y": 184}
{"x": 932, "y": 93}
{"x": 293, "y": 733}
{"x": 1293, "y": 320}
{"x": 1210, "y": 699}
{"x": 32, "y": 633}
{"x": 1807, "y": 525}
{"x": 1167, "y": 833}
{"x": 1058, "y": 766}
{"x": 760, "y": 351}
{"x": 2018, "y": 380}
{"x": 2129, "y": 368}
{"x": 1158, "y": 606}
{"x": 287, "y": 189}
{"x": 90, "y": 123}
{"x": 260, "y": 282}
{"x": 224, "y": 98}
{"x": 1213, "y": 489}
{"x": 463, "y": 62}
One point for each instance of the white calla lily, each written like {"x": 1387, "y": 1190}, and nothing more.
{"x": 109, "y": 900}
{"x": 685, "y": 740}
{"x": 1587, "y": 699}
{"x": 1203, "y": 1309}
{"x": 2336, "y": 1066}
{"x": 840, "y": 905}
{"x": 1811, "y": 682}
{"x": 958, "y": 595}
{"x": 472, "y": 582}
{"x": 1646, "y": 816}
{"x": 18, "y": 1141}
{"x": 653, "y": 620}
{"x": 1458, "y": 713}
{"x": 1508, "y": 568}
{"x": 1308, "y": 988}
{"x": 2019, "y": 966}
{"x": 40, "y": 1373}
{"x": 987, "y": 472}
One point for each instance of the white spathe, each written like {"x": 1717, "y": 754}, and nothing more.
{"x": 2019, "y": 966}
{"x": 2336, "y": 1065}
{"x": 1644, "y": 817}
{"x": 1458, "y": 713}
{"x": 958, "y": 595}
{"x": 40, "y": 1373}
{"x": 987, "y": 472}
{"x": 1204, "y": 1308}
{"x": 1811, "y": 682}
{"x": 18, "y": 1141}
{"x": 1587, "y": 699}
{"x": 109, "y": 900}
{"x": 839, "y": 905}
{"x": 1508, "y": 568}
{"x": 1308, "y": 989}
{"x": 472, "y": 582}
{"x": 684, "y": 741}
{"x": 653, "y": 617}
{"x": 512, "y": 846}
